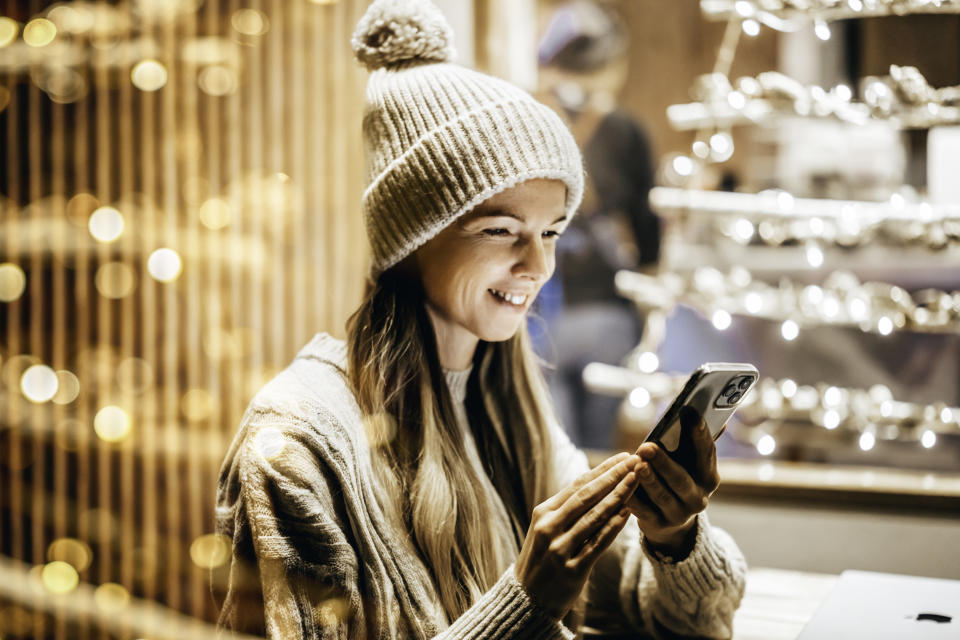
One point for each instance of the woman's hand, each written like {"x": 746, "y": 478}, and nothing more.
{"x": 569, "y": 531}
{"x": 674, "y": 495}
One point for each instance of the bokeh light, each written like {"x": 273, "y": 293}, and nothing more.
{"x": 13, "y": 282}
{"x": 74, "y": 552}
{"x": 106, "y": 224}
{"x": 68, "y": 387}
{"x": 249, "y": 22}
{"x": 114, "y": 280}
{"x": 112, "y": 423}
{"x": 111, "y": 597}
{"x": 197, "y": 405}
{"x": 217, "y": 80}
{"x": 149, "y": 75}
{"x": 80, "y": 207}
{"x": 215, "y": 213}
{"x": 928, "y": 439}
{"x": 789, "y": 330}
{"x": 8, "y": 30}
{"x": 164, "y": 264}
{"x": 39, "y": 383}
{"x": 648, "y": 362}
{"x": 39, "y": 32}
{"x": 766, "y": 445}
{"x": 210, "y": 551}
{"x": 639, "y": 397}
{"x": 59, "y": 577}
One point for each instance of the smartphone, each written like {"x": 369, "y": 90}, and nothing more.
{"x": 714, "y": 391}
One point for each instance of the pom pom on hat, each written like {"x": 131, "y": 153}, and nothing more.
{"x": 396, "y": 31}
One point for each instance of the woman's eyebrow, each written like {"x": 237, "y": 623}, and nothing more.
{"x": 510, "y": 214}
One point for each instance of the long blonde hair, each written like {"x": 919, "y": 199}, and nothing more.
{"x": 427, "y": 484}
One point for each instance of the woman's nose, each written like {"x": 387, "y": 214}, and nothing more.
{"x": 535, "y": 261}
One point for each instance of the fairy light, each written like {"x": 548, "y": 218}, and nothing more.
{"x": 59, "y": 577}
{"x": 701, "y": 149}
{"x": 111, "y": 597}
{"x": 831, "y": 419}
{"x": 721, "y": 320}
{"x": 928, "y": 439}
{"x": 830, "y": 307}
{"x": 217, "y": 80}
{"x": 743, "y": 230}
{"x": 648, "y": 362}
{"x": 753, "y": 302}
{"x": 164, "y": 264}
{"x": 750, "y": 27}
{"x": 822, "y": 29}
{"x": 788, "y": 388}
{"x": 722, "y": 145}
{"x": 639, "y": 397}
{"x": 74, "y": 552}
{"x": 843, "y": 92}
{"x": 855, "y": 5}
{"x": 885, "y": 326}
{"x": 946, "y": 415}
{"x": 13, "y": 282}
{"x": 215, "y": 213}
{"x": 249, "y": 22}
{"x": 867, "y": 440}
{"x": 766, "y": 445}
{"x": 68, "y": 387}
{"x": 149, "y": 75}
{"x": 39, "y": 32}
{"x": 743, "y": 8}
{"x": 736, "y": 100}
{"x": 210, "y": 551}
{"x": 683, "y": 165}
{"x": 106, "y": 224}
{"x": 8, "y": 30}
{"x": 39, "y": 383}
{"x": 111, "y": 424}
{"x": 832, "y": 397}
{"x": 789, "y": 330}
{"x": 814, "y": 256}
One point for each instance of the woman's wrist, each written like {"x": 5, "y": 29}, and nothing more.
{"x": 676, "y": 546}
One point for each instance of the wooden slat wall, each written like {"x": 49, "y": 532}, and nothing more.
{"x": 181, "y": 359}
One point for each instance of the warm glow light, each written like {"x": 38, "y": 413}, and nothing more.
{"x": 639, "y": 397}
{"x": 867, "y": 440}
{"x": 831, "y": 419}
{"x": 80, "y": 207}
{"x": 753, "y": 302}
{"x": 106, "y": 224}
{"x": 832, "y": 397}
{"x": 743, "y": 8}
{"x": 789, "y": 330}
{"x": 249, "y": 22}
{"x": 885, "y": 326}
{"x": 721, "y": 143}
{"x": 210, "y": 551}
{"x": 928, "y": 439}
{"x": 39, "y": 383}
{"x": 217, "y": 80}
{"x": 114, "y": 280}
{"x": 134, "y": 375}
{"x": 164, "y": 264}
{"x": 112, "y": 424}
{"x": 831, "y": 307}
{"x": 743, "y": 230}
{"x": 822, "y": 29}
{"x": 149, "y": 75}
{"x": 39, "y": 32}
{"x": 751, "y": 27}
{"x": 683, "y": 166}
{"x": 721, "y": 319}
{"x": 946, "y": 415}
{"x": 843, "y": 92}
{"x": 68, "y": 387}
{"x": 13, "y": 282}
{"x": 8, "y": 30}
{"x": 74, "y": 552}
{"x": 648, "y": 362}
{"x": 59, "y": 577}
{"x": 736, "y": 100}
{"x": 111, "y": 597}
{"x": 766, "y": 445}
{"x": 814, "y": 255}
{"x": 788, "y": 388}
{"x": 701, "y": 149}
{"x": 215, "y": 213}
{"x": 197, "y": 404}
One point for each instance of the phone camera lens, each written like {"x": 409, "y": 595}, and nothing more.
{"x": 735, "y": 398}
{"x": 730, "y": 390}
{"x": 745, "y": 383}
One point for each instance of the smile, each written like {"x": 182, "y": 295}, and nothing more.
{"x": 516, "y": 299}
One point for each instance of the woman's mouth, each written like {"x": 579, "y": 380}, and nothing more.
{"x": 515, "y": 300}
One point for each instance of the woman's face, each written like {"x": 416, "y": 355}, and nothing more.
{"x": 483, "y": 271}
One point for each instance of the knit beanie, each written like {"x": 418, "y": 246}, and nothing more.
{"x": 440, "y": 138}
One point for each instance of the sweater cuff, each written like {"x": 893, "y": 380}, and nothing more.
{"x": 705, "y": 571}
{"x": 506, "y": 611}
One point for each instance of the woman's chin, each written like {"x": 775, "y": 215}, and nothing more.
{"x": 500, "y": 333}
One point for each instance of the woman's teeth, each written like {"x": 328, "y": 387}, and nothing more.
{"x": 513, "y": 298}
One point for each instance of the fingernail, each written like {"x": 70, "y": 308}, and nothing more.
{"x": 648, "y": 453}
{"x": 689, "y": 418}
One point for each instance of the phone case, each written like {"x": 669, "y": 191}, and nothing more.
{"x": 714, "y": 391}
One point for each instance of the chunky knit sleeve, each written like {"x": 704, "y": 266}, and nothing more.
{"x": 631, "y": 590}
{"x": 310, "y": 561}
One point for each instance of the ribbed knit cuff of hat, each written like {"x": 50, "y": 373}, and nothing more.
{"x": 506, "y": 611}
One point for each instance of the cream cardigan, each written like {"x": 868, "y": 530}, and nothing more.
{"x": 314, "y": 557}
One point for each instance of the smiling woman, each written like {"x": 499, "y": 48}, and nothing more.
{"x": 413, "y": 482}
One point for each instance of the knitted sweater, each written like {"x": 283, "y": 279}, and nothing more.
{"x": 313, "y": 556}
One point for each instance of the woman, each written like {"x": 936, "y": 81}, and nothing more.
{"x": 412, "y": 482}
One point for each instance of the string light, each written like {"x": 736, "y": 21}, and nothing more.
{"x": 928, "y": 439}
{"x": 8, "y": 31}
{"x": 106, "y": 224}
{"x": 164, "y": 264}
{"x": 721, "y": 320}
{"x": 68, "y": 388}
{"x": 789, "y": 330}
{"x": 39, "y": 383}
{"x": 72, "y": 551}
{"x": 39, "y": 32}
{"x": 750, "y": 27}
{"x": 59, "y": 577}
{"x": 149, "y": 75}
{"x": 867, "y": 440}
{"x": 639, "y": 397}
{"x": 210, "y": 551}
{"x": 13, "y": 282}
{"x": 766, "y": 445}
{"x": 648, "y": 362}
{"x": 111, "y": 598}
{"x": 112, "y": 424}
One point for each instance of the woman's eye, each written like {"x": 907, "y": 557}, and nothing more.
{"x": 551, "y": 234}
{"x": 496, "y": 232}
